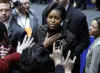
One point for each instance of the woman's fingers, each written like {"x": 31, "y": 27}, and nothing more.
{"x": 61, "y": 49}
{"x": 68, "y": 56}
{"x": 25, "y": 38}
{"x": 47, "y": 35}
{"x": 18, "y": 44}
{"x": 30, "y": 41}
{"x": 74, "y": 59}
{"x": 54, "y": 48}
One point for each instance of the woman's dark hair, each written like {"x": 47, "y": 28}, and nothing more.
{"x": 36, "y": 60}
{"x": 56, "y": 6}
{"x": 98, "y": 21}
{"x": 3, "y": 34}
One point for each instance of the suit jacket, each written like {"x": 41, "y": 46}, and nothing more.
{"x": 76, "y": 23}
{"x": 67, "y": 40}
{"x": 16, "y": 33}
{"x": 92, "y": 59}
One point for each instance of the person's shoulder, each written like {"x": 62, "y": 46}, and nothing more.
{"x": 96, "y": 42}
{"x": 32, "y": 12}
{"x": 68, "y": 35}
{"x": 76, "y": 12}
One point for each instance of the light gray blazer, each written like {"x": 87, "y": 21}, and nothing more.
{"x": 93, "y": 57}
{"x": 16, "y": 33}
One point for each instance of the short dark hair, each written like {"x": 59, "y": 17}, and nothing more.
{"x": 4, "y": 1}
{"x": 36, "y": 60}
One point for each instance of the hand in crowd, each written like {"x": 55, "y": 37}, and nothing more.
{"x": 3, "y": 51}
{"x": 27, "y": 42}
{"x": 57, "y": 55}
{"x": 58, "y": 58}
{"x": 50, "y": 40}
{"x": 69, "y": 63}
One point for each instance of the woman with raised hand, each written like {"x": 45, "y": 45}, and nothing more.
{"x": 54, "y": 32}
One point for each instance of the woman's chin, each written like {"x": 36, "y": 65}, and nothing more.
{"x": 52, "y": 28}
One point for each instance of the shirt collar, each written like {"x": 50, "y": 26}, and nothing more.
{"x": 19, "y": 14}
{"x": 67, "y": 6}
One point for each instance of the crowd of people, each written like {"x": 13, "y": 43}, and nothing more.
{"x": 79, "y": 4}
{"x": 54, "y": 46}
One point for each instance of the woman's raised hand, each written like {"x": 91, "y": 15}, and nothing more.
{"x": 27, "y": 42}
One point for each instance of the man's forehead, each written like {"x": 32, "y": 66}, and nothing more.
{"x": 4, "y": 5}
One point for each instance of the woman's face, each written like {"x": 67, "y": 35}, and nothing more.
{"x": 93, "y": 28}
{"x": 54, "y": 19}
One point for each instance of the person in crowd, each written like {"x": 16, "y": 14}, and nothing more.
{"x": 15, "y": 34}
{"x": 8, "y": 59}
{"x": 36, "y": 60}
{"x": 26, "y": 17}
{"x": 53, "y": 31}
{"x": 4, "y": 43}
{"x": 67, "y": 63}
{"x": 76, "y": 23}
{"x": 41, "y": 62}
{"x": 84, "y": 54}
{"x": 14, "y": 22}
{"x": 92, "y": 60}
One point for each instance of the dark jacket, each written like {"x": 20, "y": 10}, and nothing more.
{"x": 67, "y": 39}
{"x": 16, "y": 32}
{"x": 76, "y": 23}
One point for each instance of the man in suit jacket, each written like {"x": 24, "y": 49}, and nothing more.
{"x": 26, "y": 18}
{"x": 5, "y": 18}
{"x": 76, "y": 23}
{"x": 16, "y": 32}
